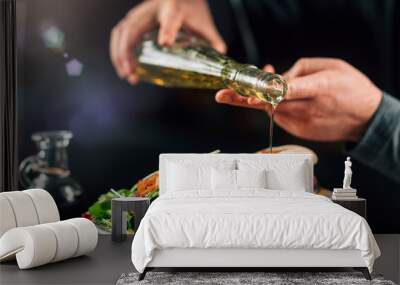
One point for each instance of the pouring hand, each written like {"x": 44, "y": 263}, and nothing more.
{"x": 170, "y": 15}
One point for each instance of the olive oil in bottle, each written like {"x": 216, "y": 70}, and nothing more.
{"x": 192, "y": 63}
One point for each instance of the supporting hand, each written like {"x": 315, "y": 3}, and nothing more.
{"x": 327, "y": 100}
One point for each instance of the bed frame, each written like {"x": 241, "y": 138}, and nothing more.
{"x": 242, "y": 259}
{"x": 250, "y": 259}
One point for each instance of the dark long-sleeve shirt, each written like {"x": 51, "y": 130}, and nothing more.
{"x": 365, "y": 33}
{"x": 379, "y": 148}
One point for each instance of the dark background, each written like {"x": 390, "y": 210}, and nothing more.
{"x": 120, "y": 130}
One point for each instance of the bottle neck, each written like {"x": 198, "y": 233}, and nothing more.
{"x": 248, "y": 80}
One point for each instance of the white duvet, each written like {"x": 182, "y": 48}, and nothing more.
{"x": 250, "y": 219}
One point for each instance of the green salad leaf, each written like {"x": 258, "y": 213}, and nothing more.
{"x": 100, "y": 211}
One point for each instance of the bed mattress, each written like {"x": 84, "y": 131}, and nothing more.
{"x": 250, "y": 219}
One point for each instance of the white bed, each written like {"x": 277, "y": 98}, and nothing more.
{"x": 196, "y": 224}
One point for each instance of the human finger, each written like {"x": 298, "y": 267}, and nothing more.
{"x": 269, "y": 68}
{"x": 126, "y": 61}
{"x": 114, "y": 40}
{"x": 229, "y": 97}
{"x": 298, "y": 108}
{"x": 210, "y": 33}
{"x": 170, "y": 20}
{"x": 307, "y": 86}
{"x": 305, "y": 66}
{"x": 133, "y": 79}
{"x": 138, "y": 21}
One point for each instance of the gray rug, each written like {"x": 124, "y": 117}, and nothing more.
{"x": 243, "y": 278}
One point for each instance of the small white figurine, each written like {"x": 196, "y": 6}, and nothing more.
{"x": 347, "y": 174}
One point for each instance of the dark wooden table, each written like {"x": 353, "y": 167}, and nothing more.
{"x": 102, "y": 266}
{"x": 358, "y": 206}
{"x": 120, "y": 207}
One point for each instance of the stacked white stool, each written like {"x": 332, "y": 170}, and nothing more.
{"x": 31, "y": 230}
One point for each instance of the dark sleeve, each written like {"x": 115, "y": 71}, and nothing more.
{"x": 379, "y": 148}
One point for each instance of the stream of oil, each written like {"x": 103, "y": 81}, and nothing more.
{"x": 271, "y": 128}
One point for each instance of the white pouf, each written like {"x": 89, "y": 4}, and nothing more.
{"x": 7, "y": 218}
{"x": 46, "y": 208}
{"x": 23, "y": 209}
{"x": 31, "y": 232}
{"x": 26, "y": 208}
{"x": 37, "y": 245}
{"x": 67, "y": 240}
{"x": 32, "y": 246}
{"x": 87, "y": 235}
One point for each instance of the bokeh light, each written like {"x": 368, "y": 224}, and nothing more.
{"x": 74, "y": 67}
{"x": 53, "y": 38}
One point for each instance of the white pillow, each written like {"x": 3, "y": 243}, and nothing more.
{"x": 282, "y": 174}
{"x": 236, "y": 179}
{"x": 188, "y": 174}
{"x": 293, "y": 180}
{"x": 184, "y": 178}
{"x": 223, "y": 179}
{"x": 251, "y": 178}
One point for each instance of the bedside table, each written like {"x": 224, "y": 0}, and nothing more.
{"x": 358, "y": 206}
{"x": 119, "y": 208}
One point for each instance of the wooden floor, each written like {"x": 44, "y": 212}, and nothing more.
{"x": 110, "y": 260}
